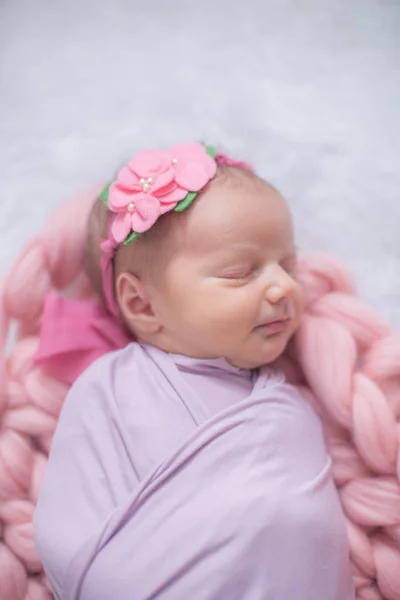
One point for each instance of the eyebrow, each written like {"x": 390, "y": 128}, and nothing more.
{"x": 233, "y": 253}
{"x": 250, "y": 248}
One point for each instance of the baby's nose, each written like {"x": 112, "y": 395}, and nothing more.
{"x": 281, "y": 289}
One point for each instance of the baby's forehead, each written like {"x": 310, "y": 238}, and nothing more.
{"x": 238, "y": 209}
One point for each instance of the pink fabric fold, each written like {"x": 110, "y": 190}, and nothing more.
{"x": 108, "y": 249}
{"x": 74, "y": 333}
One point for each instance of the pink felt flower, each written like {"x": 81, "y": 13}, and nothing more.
{"x": 138, "y": 216}
{"x": 153, "y": 183}
{"x": 193, "y": 166}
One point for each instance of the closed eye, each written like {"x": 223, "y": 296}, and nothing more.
{"x": 238, "y": 276}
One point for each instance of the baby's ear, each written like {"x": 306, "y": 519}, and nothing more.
{"x": 135, "y": 305}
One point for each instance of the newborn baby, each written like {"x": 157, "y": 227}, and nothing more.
{"x": 185, "y": 466}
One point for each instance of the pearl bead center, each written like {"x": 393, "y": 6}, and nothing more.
{"x": 146, "y": 183}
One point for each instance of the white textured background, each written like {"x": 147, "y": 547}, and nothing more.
{"x": 309, "y": 90}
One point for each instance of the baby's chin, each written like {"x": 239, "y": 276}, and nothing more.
{"x": 255, "y": 358}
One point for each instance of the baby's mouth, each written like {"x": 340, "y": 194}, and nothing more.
{"x": 278, "y": 325}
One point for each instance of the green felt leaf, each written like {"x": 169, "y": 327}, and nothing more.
{"x": 132, "y": 237}
{"x": 211, "y": 151}
{"x": 104, "y": 194}
{"x": 187, "y": 201}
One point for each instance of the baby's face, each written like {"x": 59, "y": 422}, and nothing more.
{"x": 231, "y": 290}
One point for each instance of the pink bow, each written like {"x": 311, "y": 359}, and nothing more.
{"x": 74, "y": 334}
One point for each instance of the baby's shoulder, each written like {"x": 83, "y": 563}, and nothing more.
{"x": 97, "y": 386}
{"x": 111, "y": 365}
{"x": 276, "y": 384}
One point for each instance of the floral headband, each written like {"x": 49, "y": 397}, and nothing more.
{"x": 153, "y": 183}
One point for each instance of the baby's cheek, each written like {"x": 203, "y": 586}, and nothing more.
{"x": 223, "y": 310}
{"x": 233, "y": 317}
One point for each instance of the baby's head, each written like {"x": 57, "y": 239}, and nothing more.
{"x": 215, "y": 280}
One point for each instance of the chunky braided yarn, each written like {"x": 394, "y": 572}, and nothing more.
{"x": 351, "y": 362}
{"x": 30, "y": 402}
{"x": 344, "y": 358}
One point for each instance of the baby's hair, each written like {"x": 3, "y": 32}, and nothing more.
{"x": 345, "y": 360}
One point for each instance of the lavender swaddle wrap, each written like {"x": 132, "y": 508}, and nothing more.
{"x": 182, "y": 479}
